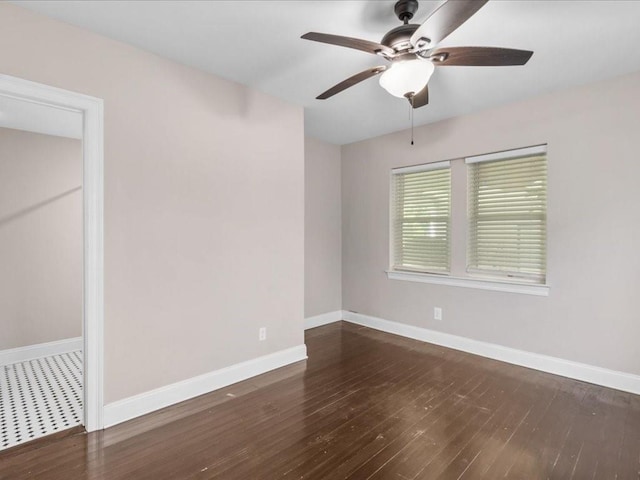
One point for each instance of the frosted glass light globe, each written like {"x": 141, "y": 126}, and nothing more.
{"x": 407, "y": 77}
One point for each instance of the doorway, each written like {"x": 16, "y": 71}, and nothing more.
{"x": 72, "y": 366}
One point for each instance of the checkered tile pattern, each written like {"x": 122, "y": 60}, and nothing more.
{"x": 40, "y": 397}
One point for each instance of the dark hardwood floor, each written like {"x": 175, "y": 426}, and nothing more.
{"x": 365, "y": 405}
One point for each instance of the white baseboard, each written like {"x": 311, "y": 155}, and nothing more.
{"x": 132, "y": 407}
{"x": 31, "y": 352}
{"x": 558, "y": 366}
{"x": 324, "y": 319}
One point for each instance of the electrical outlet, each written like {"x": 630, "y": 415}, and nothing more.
{"x": 262, "y": 334}
{"x": 437, "y": 313}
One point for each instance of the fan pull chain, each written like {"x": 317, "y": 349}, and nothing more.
{"x": 411, "y": 107}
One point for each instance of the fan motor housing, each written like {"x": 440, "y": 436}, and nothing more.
{"x": 399, "y": 37}
{"x": 405, "y": 9}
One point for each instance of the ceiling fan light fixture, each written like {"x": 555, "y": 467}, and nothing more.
{"x": 407, "y": 77}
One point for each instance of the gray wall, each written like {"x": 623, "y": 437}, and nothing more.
{"x": 204, "y": 204}
{"x": 323, "y": 232}
{"x": 591, "y": 314}
{"x": 40, "y": 238}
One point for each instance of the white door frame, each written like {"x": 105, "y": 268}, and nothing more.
{"x": 93, "y": 207}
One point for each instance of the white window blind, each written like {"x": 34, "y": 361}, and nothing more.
{"x": 421, "y": 204}
{"x": 507, "y": 212}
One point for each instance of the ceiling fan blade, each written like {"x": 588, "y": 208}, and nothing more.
{"x": 357, "y": 43}
{"x": 421, "y": 98}
{"x": 479, "y": 56}
{"x": 449, "y": 16}
{"x": 351, "y": 81}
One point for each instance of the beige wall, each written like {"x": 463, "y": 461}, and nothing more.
{"x": 323, "y": 232}
{"x": 204, "y": 204}
{"x": 592, "y": 312}
{"x": 40, "y": 238}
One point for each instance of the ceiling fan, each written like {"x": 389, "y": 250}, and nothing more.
{"x": 411, "y": 49}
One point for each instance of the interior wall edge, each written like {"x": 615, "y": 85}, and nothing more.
{"x": 323, "y": 227}
{"x": 558, "y": 366}
{"x": 147, "y": 402}
{"x": 323, "y": 319}
{"x": 47, "y": 349}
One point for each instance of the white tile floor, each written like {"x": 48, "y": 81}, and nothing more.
{"x": 40, "y": 397}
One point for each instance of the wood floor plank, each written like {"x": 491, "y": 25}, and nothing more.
{"x": 552, "y": 436}
{"x": 629, "y": 461}
{"x": 352, "y": 420}
{"x": 365, "y": 405}
{"x": 436, "y": 446}
{"x": 459, "y": 455}
{"x": 374, "y": 425}
{"x": 432, "y": 421}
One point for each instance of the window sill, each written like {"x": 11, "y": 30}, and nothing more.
{"x": 482, "y": 284}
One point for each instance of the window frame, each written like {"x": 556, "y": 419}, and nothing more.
{"x": 458, "y": 275}
{"x": 497, "y": 274}
{"x": 433, "y": 166}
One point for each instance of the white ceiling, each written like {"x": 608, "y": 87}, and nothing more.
{"x": 257, "y": 43}
{"x": 34, "y": 117}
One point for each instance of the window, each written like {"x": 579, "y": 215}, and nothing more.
{"x": 421, "y": 198}
{"x": 507, "y": 212}
{"x": 505, "y": 221}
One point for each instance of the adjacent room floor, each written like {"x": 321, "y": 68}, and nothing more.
{"x": 40, "y": 397}
{"x": 366, "y": 405}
